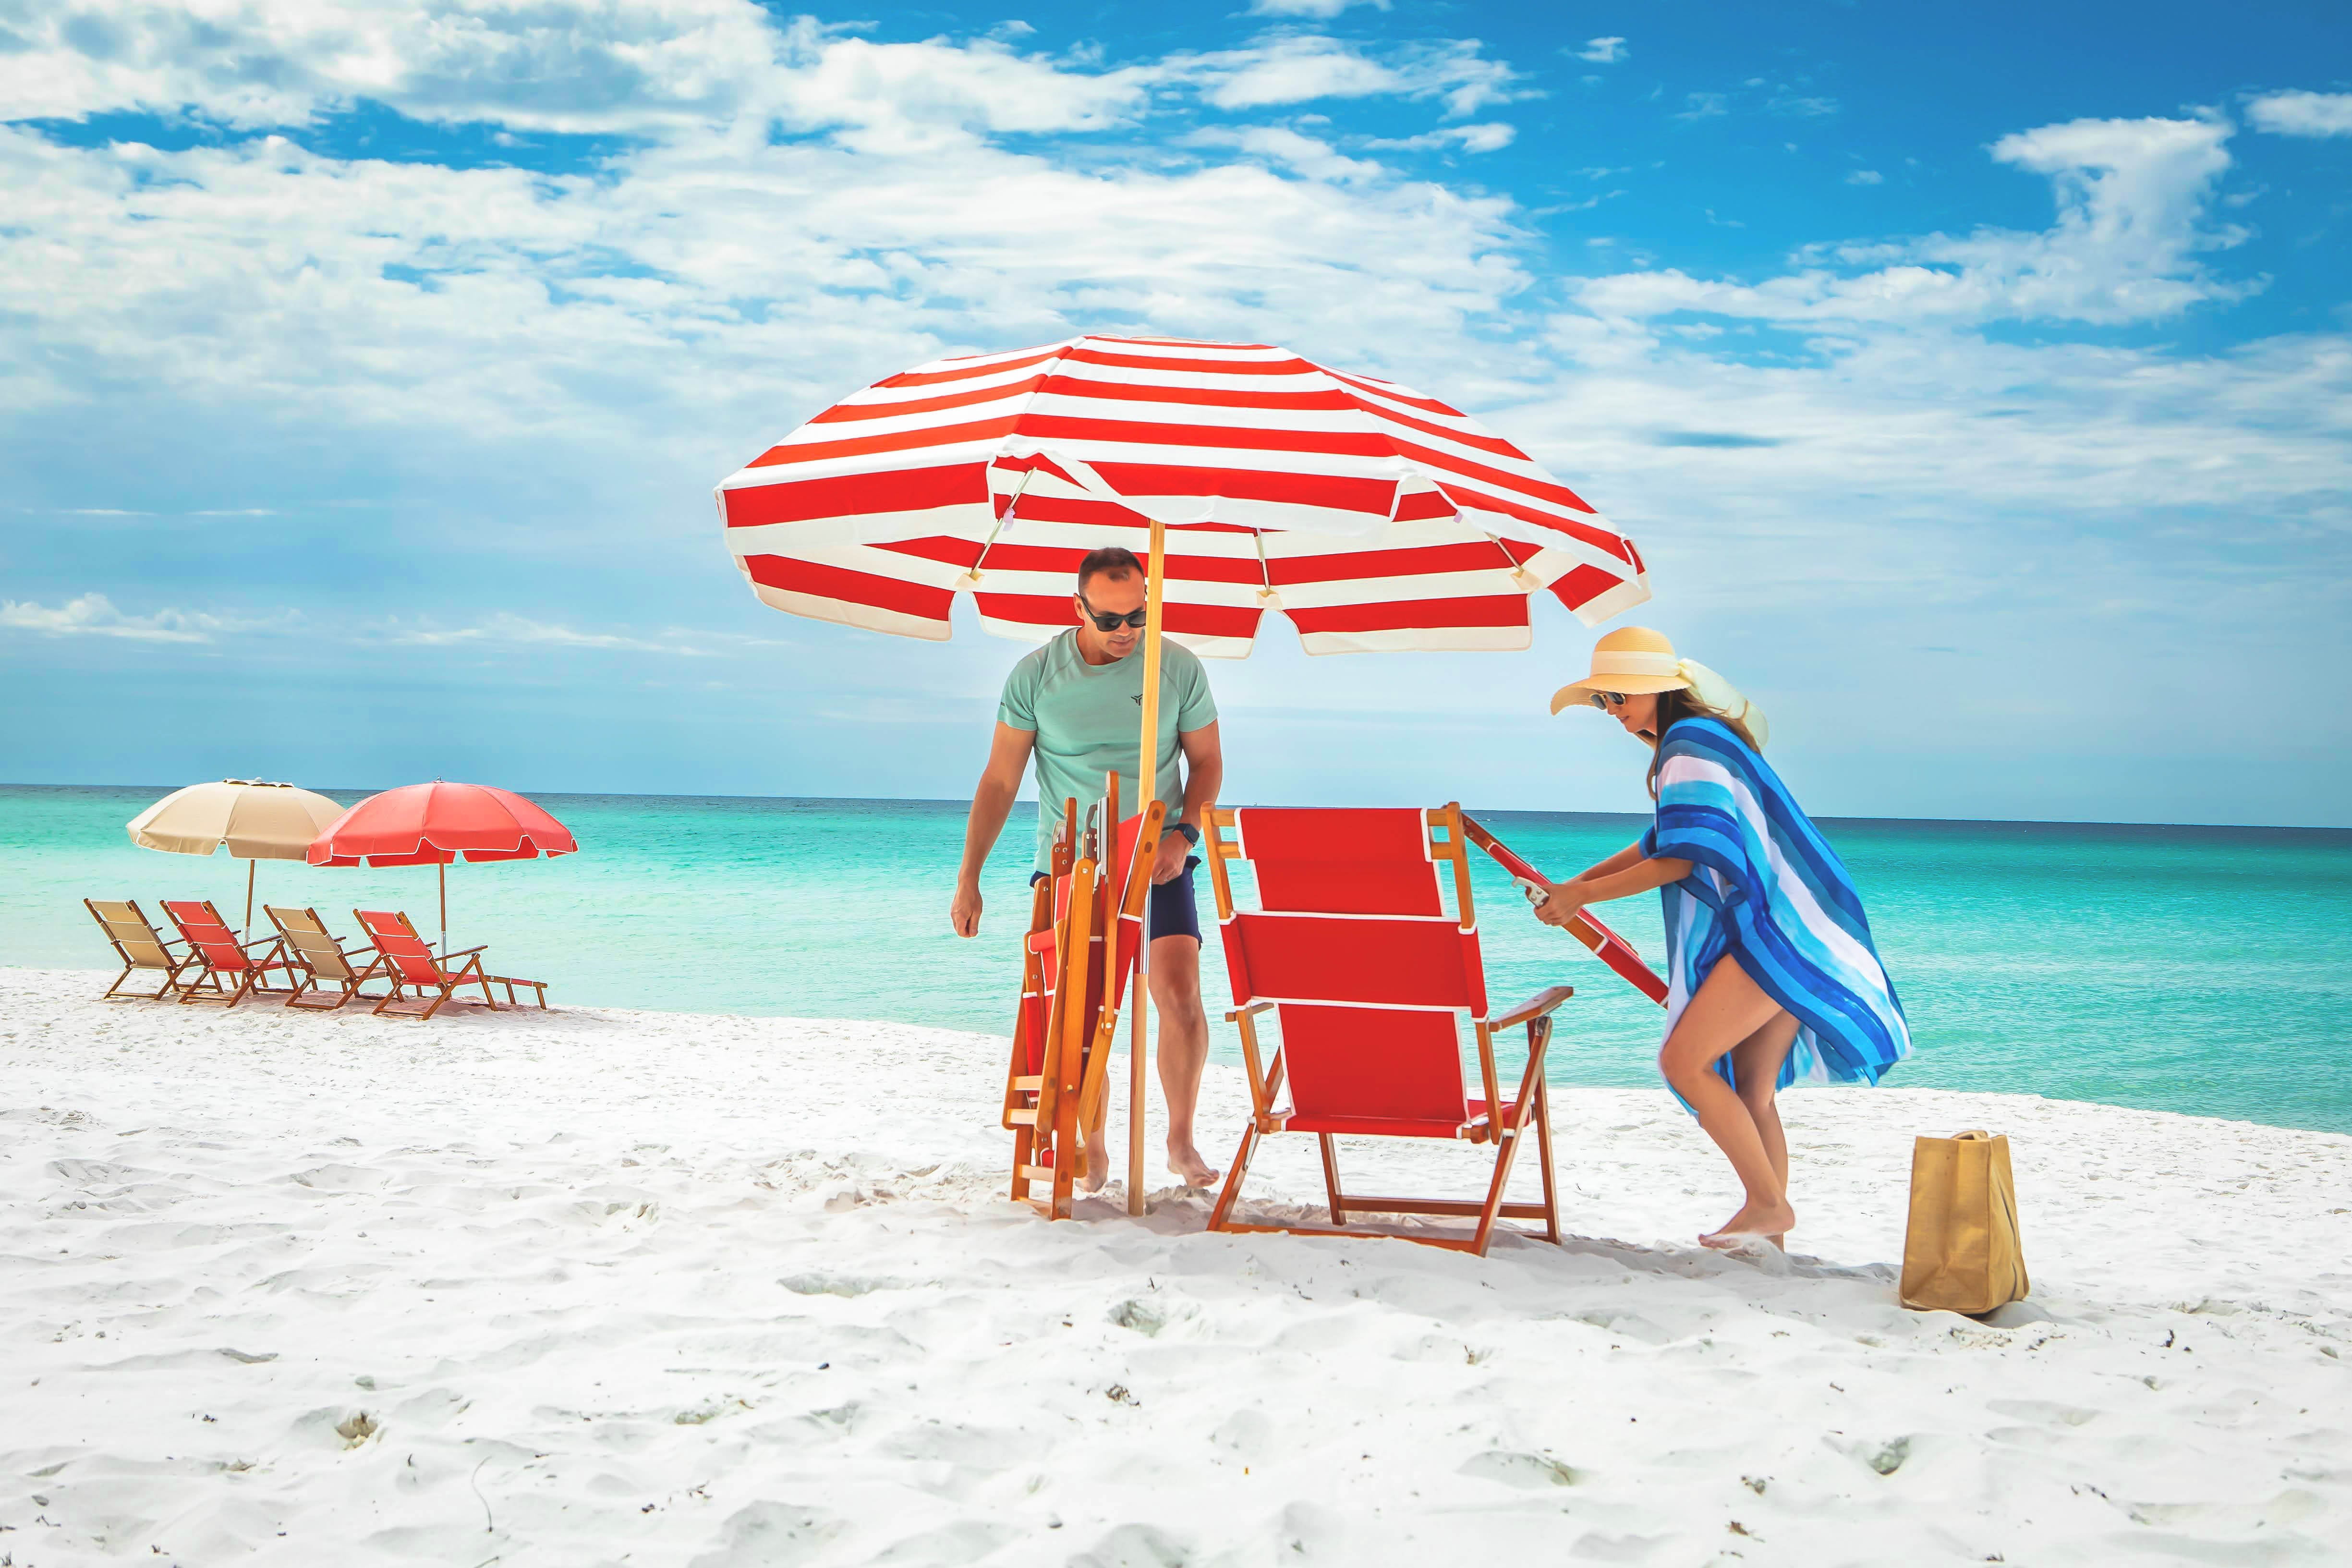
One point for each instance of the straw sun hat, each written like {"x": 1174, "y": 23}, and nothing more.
{"x": 1636, "y": 660}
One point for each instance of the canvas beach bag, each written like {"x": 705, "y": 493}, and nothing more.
{"x": 1962, "y": 1253}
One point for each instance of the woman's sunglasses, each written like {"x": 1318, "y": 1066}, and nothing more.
{"x": 1604, "y": 701}
{"x": 1104, "y": 623}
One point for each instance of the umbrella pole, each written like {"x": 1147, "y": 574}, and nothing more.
{"x": 1148, "y": 780}
{"x": 443, "y": 871}
{"x": 250, "y": 867}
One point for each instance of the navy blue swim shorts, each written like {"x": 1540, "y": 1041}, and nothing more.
{"x": 1175, "y": 907}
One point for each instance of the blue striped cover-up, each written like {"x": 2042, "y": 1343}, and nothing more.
{"x": 1766, "y": 886}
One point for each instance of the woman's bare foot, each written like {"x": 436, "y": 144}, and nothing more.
{"x": 1764, "y": 1222}
{"x": 1186, "y": 1162}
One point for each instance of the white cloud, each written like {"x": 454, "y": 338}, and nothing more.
{"x": 1703, "y": 106}
{"x": 522, "y": 631}
{"x": 94, "y": 615}
{"x": 1319, "y": 10}
{"x": 1299, "y": 68}
{"x": 1603, "y": 51}
{"x": 2301, "y": 113}
{"x": 2134, "y": 199}
{"x": 1490, "y": 137}
{"x": 1866, "y": 178}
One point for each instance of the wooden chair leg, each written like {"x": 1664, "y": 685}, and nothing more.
{"x": 1503, "y": 1158}
{"x": 1331, "y": 1178}
{"x": 1543, "y": 1153}
{"x": 1218, "y": 1215}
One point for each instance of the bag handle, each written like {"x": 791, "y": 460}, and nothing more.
{"x": 1975, "y": 1135}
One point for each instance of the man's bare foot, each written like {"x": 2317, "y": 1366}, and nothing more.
{"x": 1098, "y": 1169}
{"x": 1186, "y": 1162}
{"x": 1761, "y": 1222}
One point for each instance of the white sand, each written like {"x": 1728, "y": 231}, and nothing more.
{"x": 658, "y": 1289}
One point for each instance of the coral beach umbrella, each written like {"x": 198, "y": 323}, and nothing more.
{"x": 433, "y": 824}
{"x": 1251, "y": 481}
{"x": 253, "y": 821}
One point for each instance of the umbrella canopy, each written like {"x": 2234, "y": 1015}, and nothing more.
{"x": 433, "y": 824}
{"x": 1371, "y": 516}
{"x": 252, "y": 820}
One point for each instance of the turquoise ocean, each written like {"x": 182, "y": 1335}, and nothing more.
{"x": 2205, "y": 970}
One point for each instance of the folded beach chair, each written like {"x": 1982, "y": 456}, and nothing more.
{"x": 140, "y": 946}
{"x": 227, "y": 968}
{"x": 410, "y": 965}
{"x": 320, "y": 961}
{"x": 1074, "y": 977}
{"x": 1352, "y": 951}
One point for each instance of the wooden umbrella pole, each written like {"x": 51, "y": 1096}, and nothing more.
{"x": 443, "y": 869}
{"x": 247, "y": 934}
{"x": 1147, "y": 779}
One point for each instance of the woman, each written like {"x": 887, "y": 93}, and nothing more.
{"x": 1772, "y": 976}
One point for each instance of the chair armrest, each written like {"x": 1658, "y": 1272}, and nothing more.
{"x": 1251, "y": 1011}
{"x": 1534, "y": 1007}
{"x": 467, "y": 951}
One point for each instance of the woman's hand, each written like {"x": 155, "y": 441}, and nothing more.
{"x": 1561, "y": 903}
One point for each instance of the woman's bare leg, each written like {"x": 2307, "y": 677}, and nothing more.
{"x": 1755, "y": 1063}
{"x": 1729, "y": 1007}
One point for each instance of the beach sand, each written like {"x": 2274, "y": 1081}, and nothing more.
{"x": 596, "y": 1287}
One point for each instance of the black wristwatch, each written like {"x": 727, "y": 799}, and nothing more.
{"x": 1191, "y": 834}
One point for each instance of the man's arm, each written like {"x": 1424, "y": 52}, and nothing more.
{"x": 1204, "y": 775}
{"x": 992, "y": 802}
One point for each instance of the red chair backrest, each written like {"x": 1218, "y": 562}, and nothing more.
{"x": 205, "y": 931}
{"x": 1365, "y": 967}
{"x": 407, "y": 952}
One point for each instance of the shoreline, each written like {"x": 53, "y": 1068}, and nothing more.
{"x": 721, "y": 1291}
{"x": 1217, "y": 1065}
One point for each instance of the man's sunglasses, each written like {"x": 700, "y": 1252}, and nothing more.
{"x": 1104, "y": 623}
{"x": 1604, "y": 701}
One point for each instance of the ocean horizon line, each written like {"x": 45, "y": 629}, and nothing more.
{"x": 2028, "y": 824}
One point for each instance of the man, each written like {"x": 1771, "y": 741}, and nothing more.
{"x": 1077, "y": 703}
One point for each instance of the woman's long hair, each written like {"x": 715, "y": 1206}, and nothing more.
{"x": 1674, "y": 706}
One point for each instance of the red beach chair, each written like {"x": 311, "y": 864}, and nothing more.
{"x": 225, "y": 966}
{"x": 1072, "y": 981}
{"x": 1353, "y": 951}
{"x": 408, "y": 963}
{"x": 140, "y": 946}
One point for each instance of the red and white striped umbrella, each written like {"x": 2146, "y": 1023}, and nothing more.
{"x": 1371, "y": 516}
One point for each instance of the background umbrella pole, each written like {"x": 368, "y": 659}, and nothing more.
{"x": 443, "y": 870}
{"x": 250, "y": 867}
{"x": 1147, "y": 779}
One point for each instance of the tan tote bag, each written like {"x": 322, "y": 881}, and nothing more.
{"x": 1962, "y": 1253}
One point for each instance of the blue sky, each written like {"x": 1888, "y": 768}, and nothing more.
{"x": 1978, "y": 382}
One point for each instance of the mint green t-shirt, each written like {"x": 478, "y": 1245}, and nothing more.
{"x": 1088, "y": 719}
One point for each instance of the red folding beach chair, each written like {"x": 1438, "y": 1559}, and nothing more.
{"x": 1072, "y": 981}
{"x": 227, "y": 966}
{"x": 408, "y": 963}
{"x": 1353, "y": 952}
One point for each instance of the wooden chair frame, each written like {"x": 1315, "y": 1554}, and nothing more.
{"x": 307, "y": 976}
{"x": 1447, "y": 845}
{"x": 442, "y": 987}
{"x": 124, "y": 932}
{"x": 1048, "y": 1111}
{"x": 253, "y": 976}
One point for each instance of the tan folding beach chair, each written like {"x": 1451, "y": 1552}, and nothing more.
{"x": 229, "y": 969}
{"x": 320, "y": 961}
{"x": 140, "y": 946}
{"x": 409, "y": 963}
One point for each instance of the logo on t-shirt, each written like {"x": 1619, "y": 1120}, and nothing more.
{"x": 1137, "y": 699}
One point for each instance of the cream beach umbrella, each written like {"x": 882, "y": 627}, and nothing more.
{"x": 252, "y": 820}
{"x": 1253, "y": 481}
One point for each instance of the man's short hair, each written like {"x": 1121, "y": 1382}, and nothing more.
{"x": 1110, "y": 561}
